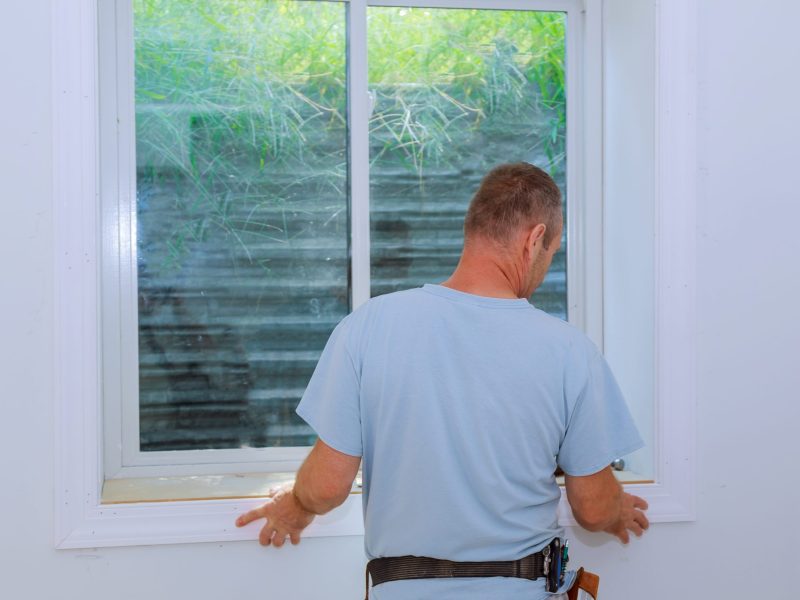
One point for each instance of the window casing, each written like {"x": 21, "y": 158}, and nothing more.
{"x": 81, "y": 358}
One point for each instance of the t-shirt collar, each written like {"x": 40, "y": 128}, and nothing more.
{"x": 466, "y": 298}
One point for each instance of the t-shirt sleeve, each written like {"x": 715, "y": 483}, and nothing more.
{"x": 330, "y": 404}
{"x": 600, "y": 427}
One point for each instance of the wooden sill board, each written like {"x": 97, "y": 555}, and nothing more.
{"x": 196, "y": 487}
{"x": 230, "y": 486}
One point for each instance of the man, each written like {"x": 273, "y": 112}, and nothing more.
{"x": 462, "y": 399}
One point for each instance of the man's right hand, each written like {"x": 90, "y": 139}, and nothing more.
{"x": 600, "y": 504}
{"x": 631, "y": 518}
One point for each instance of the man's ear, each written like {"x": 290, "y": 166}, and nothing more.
{"x": 535, "y": 239}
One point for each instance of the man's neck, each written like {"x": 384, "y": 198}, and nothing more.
{"x": 483, "y": 276}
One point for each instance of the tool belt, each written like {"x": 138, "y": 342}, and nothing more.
{"x": 550, "y": 562}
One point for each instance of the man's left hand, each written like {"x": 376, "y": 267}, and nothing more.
{"x": 285, "y": 517}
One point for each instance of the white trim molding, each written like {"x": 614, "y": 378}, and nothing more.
{"x": 672, "y": 496}
{"x": 82, "y": 521}
{"x": 676, "y": 191}
{"x": 75, "y": 189}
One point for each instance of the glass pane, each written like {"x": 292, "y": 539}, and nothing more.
{"x": 456, "y": 93}
{"x": 242, "y": 239}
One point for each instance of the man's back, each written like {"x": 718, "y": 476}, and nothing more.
{"x": 462, "y": 406}
{"x": 462, "y": 399}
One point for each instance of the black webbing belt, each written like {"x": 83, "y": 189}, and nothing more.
{"x": 420, "y": 567}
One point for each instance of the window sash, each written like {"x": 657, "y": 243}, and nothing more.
{"x": 123, "y": 458}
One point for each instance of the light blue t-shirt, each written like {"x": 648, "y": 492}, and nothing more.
{"x": 461, "y": 407}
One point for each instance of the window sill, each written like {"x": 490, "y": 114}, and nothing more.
{"x": 194, "y": 488}
{"x": 211, "y": 519}
{"x": 233, "y": 486}
{"x": 179, "y": 522}
{"x": 624, "y": 477}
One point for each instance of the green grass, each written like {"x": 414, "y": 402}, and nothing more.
{"x": 232, "y": 92}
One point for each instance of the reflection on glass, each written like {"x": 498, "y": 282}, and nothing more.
{"x": 241, "y": 141}
{"x": 456, "y": 93}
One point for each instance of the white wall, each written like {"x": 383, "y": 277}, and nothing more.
{"x": 748, "y": 254}
{"x": 748, "y": 371}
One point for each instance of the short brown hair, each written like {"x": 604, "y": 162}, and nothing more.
{"x": 512, "y": 196}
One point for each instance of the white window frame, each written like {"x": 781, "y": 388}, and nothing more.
{"x": 122, "y": 455}
{"x": 82, "y": 521}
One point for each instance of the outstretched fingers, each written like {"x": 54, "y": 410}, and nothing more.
{"x": 266, "y": 534}
{"x": 641, "y": 519}
{"x": 250, "y": 516}
{"x": 283, "y": 519}
{"x": 639, "y": 503}
{"x": 279, "y": 537}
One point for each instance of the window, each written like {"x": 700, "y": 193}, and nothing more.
{"x": 94, "y": 116}
{"x": 241, "y": 217}
{"x": 249, "y": 202}
{"x": 456, "y": 92}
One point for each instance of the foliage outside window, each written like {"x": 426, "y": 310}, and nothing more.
{"x": 243, "y": 186}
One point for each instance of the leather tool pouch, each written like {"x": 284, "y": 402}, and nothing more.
{"x": 585, "y": 586}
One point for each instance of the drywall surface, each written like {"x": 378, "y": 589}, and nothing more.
{"x": 748, "y": 277}
{"x": 748, "y": 375}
